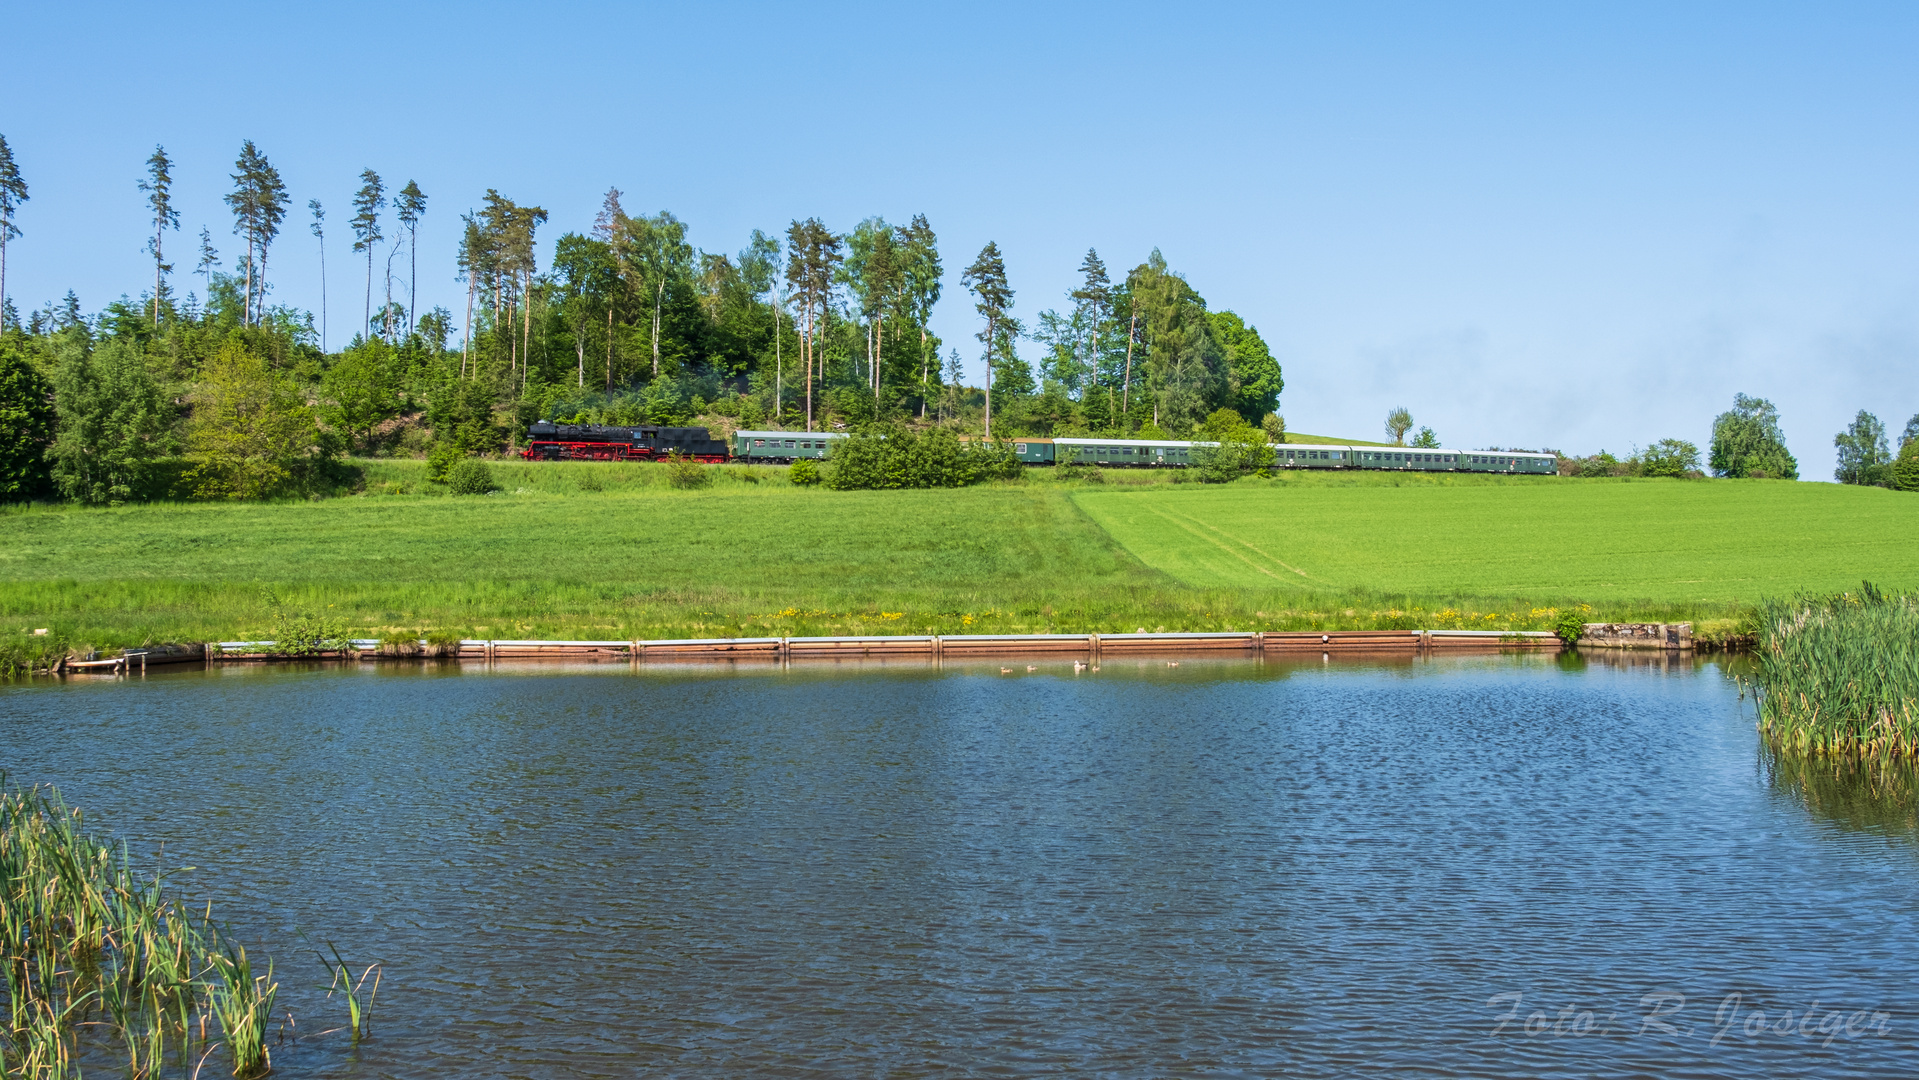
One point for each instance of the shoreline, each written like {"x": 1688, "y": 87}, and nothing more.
{"x": 1674, "y": 638}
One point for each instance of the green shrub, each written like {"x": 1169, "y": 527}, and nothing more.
{"x": 441, "y": 460}
{"x": 1669, "y": 457}
{"x": 685, "y": 473}
{"x": 1572, "y": 625}
{"x": 804, "y": 472}
{"x": 919, "y": 459}
{"x": 1239, "y": 449}
{"x": 471, "y": 477}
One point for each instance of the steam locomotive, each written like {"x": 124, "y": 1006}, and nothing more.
{"x": 547, "y": 441}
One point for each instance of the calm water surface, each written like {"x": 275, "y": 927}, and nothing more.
{"x": 1465, "y": 867}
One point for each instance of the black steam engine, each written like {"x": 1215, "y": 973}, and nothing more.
{"x": 547, "y": 441}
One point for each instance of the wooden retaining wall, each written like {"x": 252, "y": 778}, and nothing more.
{"x": 957, "y": 646}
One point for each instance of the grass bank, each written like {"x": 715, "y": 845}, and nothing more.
{"x": 582, "y": 550}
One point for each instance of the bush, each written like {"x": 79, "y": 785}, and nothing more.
{"x": 685, "y": 473}
{"x": 441, "y": 460}
{"x": 1239, "y": 450}
{"x": 804, "y": 472}
{"x": 1275, "y": 428}
{"x": 471, "y": 477}
{"x": 909, "y": 459}
{"x": 1669, "y": 457}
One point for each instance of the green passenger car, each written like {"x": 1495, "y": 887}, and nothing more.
{"x": 1034, "y": 451}
{"x": 782, "y": 447}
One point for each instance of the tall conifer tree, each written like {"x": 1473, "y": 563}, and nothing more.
{"x": 319, "y": 233}
{"x": 367, "y": 203}
{"x": 993, "y": 299}
{"x": 411, "y": 206}
{"x": 159, "y": 188}
{"x": 13, "y": 192}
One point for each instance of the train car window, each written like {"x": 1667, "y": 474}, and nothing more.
{"x": 1019, "y": 448}
{"x": 789, "y": 442}
{"x": 759, "y": 442}
{"x": 1127, "y": 450}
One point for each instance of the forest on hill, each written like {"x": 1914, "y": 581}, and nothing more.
{"x": 210, "y": 386}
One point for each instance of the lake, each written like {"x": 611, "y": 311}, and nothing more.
{"x": 1498, "y": 866}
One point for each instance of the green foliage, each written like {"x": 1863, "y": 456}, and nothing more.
{"x": 687, "y": 474}
{"x": 441, "y": 460}
{"x": 361, "y": 390}
{"x": 1905, "y": 471}
{"x": 1187, "y": 370}
{"x": 1669, "y": 457}
{"x": 1839, "y": 675}
{"x": 1255, "y": 377}
{"x": 1239, "y": 448}
{"x": 1864, "y": 457}
{"x": 470, "y": 476}
{"x": 1398, "y": 422}
{"x": 918, "y": 459}
{"x": 1747, "y": 442}
{"x": 1572, "y": 624}
{"x": 115, "y": 424}
{"x": 805, "y": 472}
{"x": 1275, "y": 428}
{"x": 27, "y": 421}
{"x": 1426, "y": 439}
{"x": 251, "y": 428}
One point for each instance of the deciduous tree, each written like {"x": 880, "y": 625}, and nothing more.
{"x": 1398, "y": 422}
{"x": 1864, "y": 457}
{"x": 1747, "y": 442}
{"x": 250, "y": 426}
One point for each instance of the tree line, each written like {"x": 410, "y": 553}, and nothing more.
{"x": 628, "y": 322}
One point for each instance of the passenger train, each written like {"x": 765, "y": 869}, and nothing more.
{"x": 547, "y": 441}
{"x": 786, "y": 446}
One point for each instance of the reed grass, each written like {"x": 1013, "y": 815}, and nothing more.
{"x": 101, "y": 963}
{"x": 1839, "y": 675}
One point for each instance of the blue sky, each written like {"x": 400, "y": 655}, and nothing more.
{"x": 1576, "y": 226}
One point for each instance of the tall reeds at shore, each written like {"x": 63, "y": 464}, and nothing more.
{"x": 1839, "y": 675}
{"x": 103, "y": 964}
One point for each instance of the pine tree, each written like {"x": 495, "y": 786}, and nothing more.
{"x": 13, "y": 192}
{"x": 319, "y": 233}
{"x": 209, "y": 258}
{"x": 258, "y": 201}
{"x": 367, "y": 203}
{"x": 159, "y": 188}
{"x": 993, "y": 298}
{"x": 410, "y": 206}
{"x": 813, "y": 253}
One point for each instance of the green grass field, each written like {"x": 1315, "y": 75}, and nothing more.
{"x": 572, "y": 550}
{"x": 1615, "y": 543}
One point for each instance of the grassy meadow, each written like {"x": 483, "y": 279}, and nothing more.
{"x": 1614, "y": 543}
{"x": 580, "y": 550}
